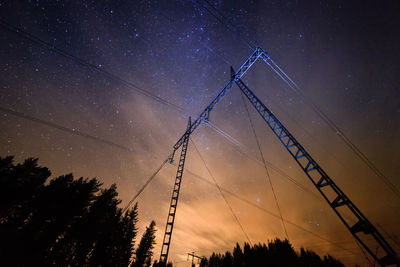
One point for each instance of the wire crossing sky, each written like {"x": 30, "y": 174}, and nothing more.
{"x": 343, "y": 55}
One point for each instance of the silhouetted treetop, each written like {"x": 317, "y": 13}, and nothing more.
{"x": 62, "y": 221}
{"x": 144, "y": 250}
{"x": 277, "y": 253}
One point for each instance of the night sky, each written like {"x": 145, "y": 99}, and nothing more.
{"x": 76, "y": 118}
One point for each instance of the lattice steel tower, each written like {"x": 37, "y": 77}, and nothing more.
{"x": 174, "y": 199}
{"x": 362, "y": 230}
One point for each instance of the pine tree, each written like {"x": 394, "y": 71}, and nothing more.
{"x": 275, "y": 253}
{"x": 237, "y": 256}
{"x": 144, "y": 251}
{"x": 62, "y": 221}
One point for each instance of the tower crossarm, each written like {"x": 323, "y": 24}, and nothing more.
{"x": 204, "y": 115}
{"x": 183, "y": 141}
{"x": 362, "y": 229}
{"x": 193, "y": 255}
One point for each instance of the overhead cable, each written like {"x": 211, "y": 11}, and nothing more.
{"x": 145, "y": 184}
{"x": 84, "y": 63}
{"x": 220, "y": 191}
{"x": 265, "y": 166}
{"x": 64, "y": 129}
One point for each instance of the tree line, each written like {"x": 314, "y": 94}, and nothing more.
{"x": 65, "y": 221}
{"x": 276, "y": 253}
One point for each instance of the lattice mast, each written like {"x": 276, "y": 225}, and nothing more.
{"x": 183, "y": 141}
{"x": 363, "y": 229}
{"x": 335, "y": 198}
{"x": 174, "y": 199}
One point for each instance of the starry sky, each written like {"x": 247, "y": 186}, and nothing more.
{"x": 104, "y": 89}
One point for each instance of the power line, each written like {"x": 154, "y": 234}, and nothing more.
{"x": 223, "y": 133}
{"x": 344, "y": 242}
{"x": 243, "y": 200}
{"x": 328, "y": 121}
{"x": 115, "y": 145}
{"x": 393, "y": 238}
{"x": 89, "y": 65}
{"x": 335, "y": 128}
{"x": 364, "y": 253}
{"x": 151, "y": 178}
{"x": 234, "y": 141}
{"x": 146, "y": 184}
{"x": 74, "y": 132}
{"x": 232, "y": 194}
{"x": 314, "y": 107}
{"x": 265, "y": 166}
{"x": 266, "y": 211}
{"x": 84, "y": 63}
{"x": 281, "y": 173}
{"x": 107, "y": 142}
{"x": 94, "y": 138}
{"x": 222, "y": 194}
{"x": 239, "y": 145}
{"x": 271, "y": 213}
{"x": 359, "y": 247}
{"x": 233, "y": 30}
{"x": 95, "y": 66}
{"x": 64, "y": 129}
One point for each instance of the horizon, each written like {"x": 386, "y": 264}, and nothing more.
{"x": 116, "y": 102}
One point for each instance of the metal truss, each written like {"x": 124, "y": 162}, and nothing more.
{"x": 174, "y": 199}
{"x": 183, "y": 141}
{"x": 363, "y": 229}
{"x": 204, "y": 115}
{"x": 336, "y": 199}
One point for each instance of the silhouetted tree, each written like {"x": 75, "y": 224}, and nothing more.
{"x": 275, "y": 253}
{"x": 238, "y": 258}
{"x": 161, "y": 264}
{"x": 144, "y": 250}
{"x": 204, "y": 262}
{"x": 73, "y": 222}
{"x": 64, "y": 221}
{"x": 330, "y": 261}
{"x": 309, "y": 258}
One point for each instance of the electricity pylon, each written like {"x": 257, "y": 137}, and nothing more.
{"x": 362, "y": 230}
{"x": 174, "y": 199}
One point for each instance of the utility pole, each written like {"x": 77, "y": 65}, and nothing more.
{"x": 199, "y": 258}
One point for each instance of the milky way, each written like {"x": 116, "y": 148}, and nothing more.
{"x": 104, "y": 89}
